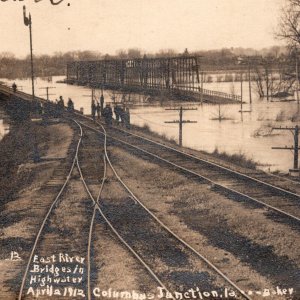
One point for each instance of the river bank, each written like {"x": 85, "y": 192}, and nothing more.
{"x": 237, "y": 162}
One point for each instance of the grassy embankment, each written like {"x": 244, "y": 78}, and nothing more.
{"x": 238, "y": 159}
{"x": 16, "y": 149}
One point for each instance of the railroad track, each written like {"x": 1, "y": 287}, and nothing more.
{"x": 110, "y": 211}
{"x": 57, "y": 238}
{"x": 170, "y": 237}
{"x": 259, "y": 178}
{"x": 146, "y": 225}
{"x": 282, "y": 204}
{"x": 151, "y": 148}
{"x": 240, "y": 186}
{"x": 48, "y": 242}
{"x": 5, "y": 90}
{"x": 90, "y": 240}
{"x": 119, "y": 214}
{"x": 41, "y": 243}
{"x": 63, "y": 234}
{"x": 96, "y": 201}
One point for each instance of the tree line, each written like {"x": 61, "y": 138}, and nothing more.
{"x": 51, "y": 65}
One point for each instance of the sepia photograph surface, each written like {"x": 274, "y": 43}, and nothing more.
{"x": 149, "y": 149}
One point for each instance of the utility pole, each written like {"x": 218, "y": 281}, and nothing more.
{"x": 180, "y": 121}
{"x": 295, "y": 148}
{"x": 267, "y": 82}
{"x": 249, "y": 80}
{"x": 47, "y": 91}
{"x": 241, "y": 110}
{"x": 297, "y": 78}
{"x": 92, "y": 95}
{"x": 202, "y": 79}
{"x": 28, "y": 22}
{"x": 268, "y": 64}
{"x": 271, "y": 84}
{"x": 241, "y": 91}
{"x": 249, "y": 60}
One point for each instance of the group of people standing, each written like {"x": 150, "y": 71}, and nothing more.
{"x": 97, "y": 108}
{"x": 61, "y": 104}
{"x": 56, "y": 109}
{"x": 122, "y": 115}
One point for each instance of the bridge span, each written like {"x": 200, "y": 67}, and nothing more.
{"x": 179, "y": 77}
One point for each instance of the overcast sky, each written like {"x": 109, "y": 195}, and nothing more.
{"x": 151, "y": 25}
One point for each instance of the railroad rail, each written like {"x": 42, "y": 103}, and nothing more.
{"x": 245, "y": 186}
{"x": 127, "y": 244}
{"x": 89, "y": 259}
{"x": 107, "y": 221}
{"x": 7, "y": 91}
{"x": 158, "y": 155}
{"x": 212, "y": 164}
{"x": 96, "y": 202}
{"x": 249, "y": 187}
{"x": 75, "y": 163}
{"x": 97, "y": 206}
{"x": 165, "y": 227}
{"x": 227, "y": 181}
{"x": 45, "y": 219}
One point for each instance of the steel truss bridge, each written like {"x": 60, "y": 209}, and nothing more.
{"x": 179, "y": 76}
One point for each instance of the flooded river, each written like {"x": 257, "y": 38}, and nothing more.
{"x": 248, "y": 133}
{"x": 4, "y": 123}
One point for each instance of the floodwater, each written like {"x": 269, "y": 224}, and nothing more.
{"x": 4, "y": 123}
{"x": 249, "y": 133}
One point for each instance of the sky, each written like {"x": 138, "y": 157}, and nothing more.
{"x": 110, "y": 25}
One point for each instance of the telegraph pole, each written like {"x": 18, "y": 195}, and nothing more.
{"x": 248, "y": 60}
{"x": 249, "y": 80}
{"x": 180, "y": 121}
{"x": 295, "y": 148}
{"x": 241, "y": 91}
{"x": 202, "y": 79}
{"x": 297, "y": 78}
{"x": 47, "y": 91}
{"x": 28, "y": 22}
{"x": 268, "y": 64}
{"x": 271, "y": 84}
{"x": 241, "y": 110}
{"x": 92, "y": 95}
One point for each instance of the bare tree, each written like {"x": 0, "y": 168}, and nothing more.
{"x": 289, "y": 31}
{"x": 134, "y": 53}
{"x": 166, "y": 53}
{"x": 289, "y": 25}
{"x": 121, "y": 53}
{"x": 274, "y": 75}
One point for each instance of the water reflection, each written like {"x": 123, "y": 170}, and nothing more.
{"x": 248, "y": 132}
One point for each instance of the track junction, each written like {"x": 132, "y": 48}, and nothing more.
{"x": 136, "y": 226}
